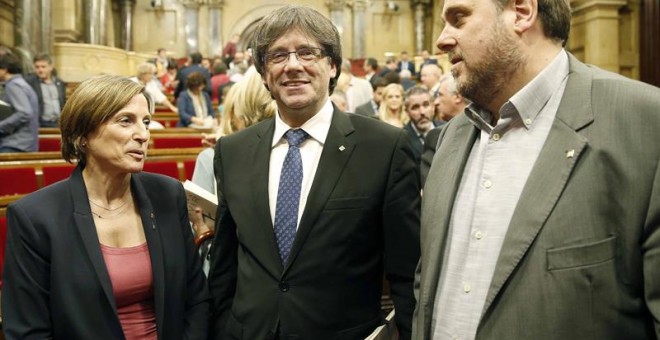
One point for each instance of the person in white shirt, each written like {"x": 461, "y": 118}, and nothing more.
{"x": 145, "y": 75}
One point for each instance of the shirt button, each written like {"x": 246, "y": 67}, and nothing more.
{"x": 284, "y": 287}
{"x": 528, "y": 121}
{"x": 487, "y": 184}
{"x": 478, "y": 235}
{"x": 496, "y": 137}
{"x": 467, "y": 288}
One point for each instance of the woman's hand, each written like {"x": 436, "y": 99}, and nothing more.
{"x": 197, "y": 219}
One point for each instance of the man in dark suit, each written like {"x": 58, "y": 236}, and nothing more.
{"x": 370, "y": 108}
{"x": 304, "y": 234}
{"x": 542, "y": 219}
{"x": 405, "y": 64}
{"x": 50, "y": 90}
{"x": 426, "y": 59}
{"x": 195, "y": 66}
{"x": 419, "y": 107}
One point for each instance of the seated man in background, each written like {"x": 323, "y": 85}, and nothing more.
{"x": 370, "y": 108}
{"x": 419, "y": 107}
{"x": 50, "y": 90}
{"x": 145, "y": 74}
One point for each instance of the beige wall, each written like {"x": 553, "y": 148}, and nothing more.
{"x": 604, "y": 32}
{"x": 6, "y": 22}
{"x": 386, "y": 31}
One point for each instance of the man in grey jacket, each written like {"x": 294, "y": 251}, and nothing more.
{"x": 19, "y": 131}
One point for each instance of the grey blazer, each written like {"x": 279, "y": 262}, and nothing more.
{"x": 581, "y": 258}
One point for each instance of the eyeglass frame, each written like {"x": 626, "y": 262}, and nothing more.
{"x": 317, "y": 53}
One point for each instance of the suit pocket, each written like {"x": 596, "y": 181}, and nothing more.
{"x": 347, "y": 203}
{"x": 234, "y": 328}
{"x": 582, "y": 255}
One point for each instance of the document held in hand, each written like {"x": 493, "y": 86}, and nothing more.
{"x": 199, "y": 197}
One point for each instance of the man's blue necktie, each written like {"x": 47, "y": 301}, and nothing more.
{"x": 288, "y": 194}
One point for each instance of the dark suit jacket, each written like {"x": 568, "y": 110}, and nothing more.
{"x": 354, "y": 226}
{"x": 55, "y": 282}
{"x": 35, "y": 83}
{"x": 580, "y": 259}
{"x": 415, "y": 142}
{"x": 411, "y": 67}
{"x": 187, "y": 109}
{"x": 185, "y": 72}
{"x": 366, "y": 109}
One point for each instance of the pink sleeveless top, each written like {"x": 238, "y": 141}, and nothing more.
{"x": 132, "y": 285}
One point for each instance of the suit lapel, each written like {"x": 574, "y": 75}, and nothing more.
{"x": 549, "y": 176}
{"x": 337, "y": 150}
{"x": 261, "y": 149}
{"x": 82, "y": 215}
{"x": 438, "y": 199}
{"x": 156, "y": 251}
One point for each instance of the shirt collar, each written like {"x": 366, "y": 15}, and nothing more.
{"x": 528, "y": 102}
{"x": 316, "y": 127}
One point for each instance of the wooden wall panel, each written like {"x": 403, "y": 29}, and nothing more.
{"x": 650, "y": 42}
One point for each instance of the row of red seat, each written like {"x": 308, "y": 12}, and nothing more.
{"x": 54, "y": 143}
{"x": 24, "y": 180}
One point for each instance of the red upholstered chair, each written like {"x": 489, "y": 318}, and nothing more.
{"x": 17, "y": 181}
{"x": 168, "y": 168}
{"x": 177, "y": 142}
{"x": 189, "y": 167}
{"x": 3, "y": 241}
{"x": 56, "y": 173}
{"x": 50, "y": 144}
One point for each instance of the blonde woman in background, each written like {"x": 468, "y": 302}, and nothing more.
{"x": 247, "y": 103}
{"x": 391, "y": 108}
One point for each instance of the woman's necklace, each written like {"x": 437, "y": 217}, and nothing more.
{"x": 111, "y": 212}
{"x": 123, "y": 202}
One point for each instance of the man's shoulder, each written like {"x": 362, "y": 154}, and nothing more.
{"x": 625, "y": 86}
{"x": 31, "y": 78}
{"x": 604, "y": 80}
{"x": 239, "y": 137}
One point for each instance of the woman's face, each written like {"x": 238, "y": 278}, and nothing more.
{"x": 394, "y": 100}
{"x": 197, "y": 89}
{"x": 120, "y": 144}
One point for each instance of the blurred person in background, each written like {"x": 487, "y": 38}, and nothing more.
{"x": 50, "y": 90}
{"x": 391, "y": 109}
{"x": 145, "y": 75}
{"x": 195, "y": 107}
{"x": 20, "y": 131}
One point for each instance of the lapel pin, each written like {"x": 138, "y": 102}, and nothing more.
{"x": 342, "y": 148}
{"x": 570, "y": 153}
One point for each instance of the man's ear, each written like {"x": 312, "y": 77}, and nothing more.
{"x": 526, "y": 14}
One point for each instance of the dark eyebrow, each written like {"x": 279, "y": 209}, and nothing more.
{"x": 451, "y": 11}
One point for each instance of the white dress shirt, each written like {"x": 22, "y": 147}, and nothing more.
{"x": 310, "y": 151}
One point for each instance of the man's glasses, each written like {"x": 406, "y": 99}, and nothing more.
{"x": 306, "y": 56}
